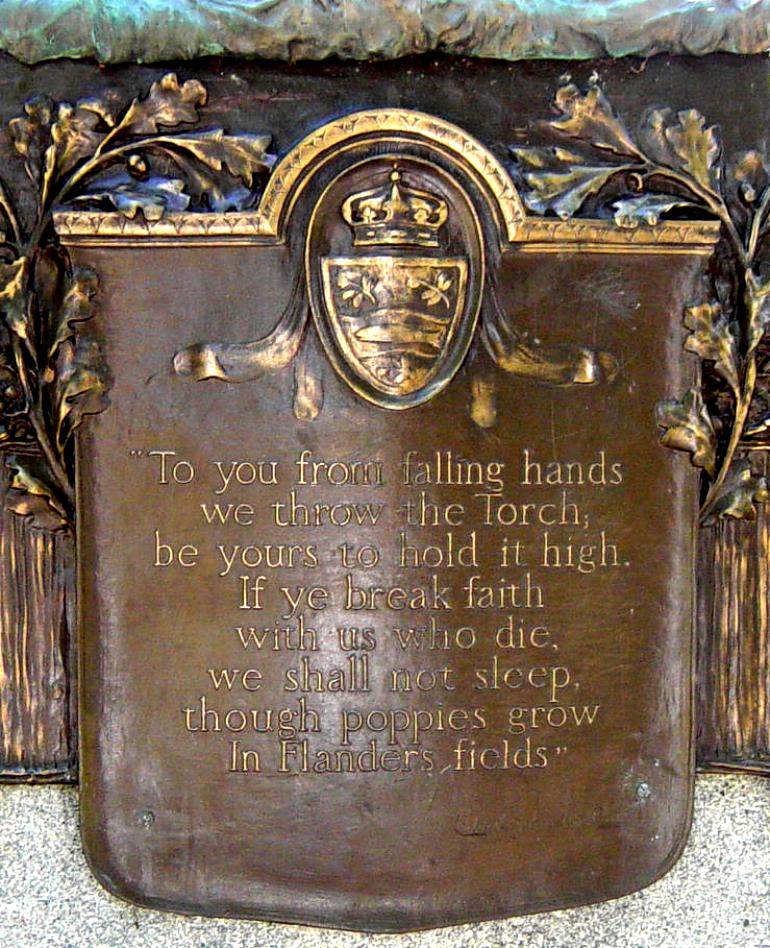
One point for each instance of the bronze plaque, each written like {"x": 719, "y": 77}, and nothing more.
{"x": 386, "y": 580}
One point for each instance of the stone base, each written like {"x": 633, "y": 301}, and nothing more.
{"x": 717, "y": 895}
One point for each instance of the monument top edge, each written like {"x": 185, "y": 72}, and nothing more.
{"x": 146, "y": 31}
{"x": 94, "y": 228}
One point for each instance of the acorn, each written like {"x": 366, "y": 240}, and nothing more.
{"x": 138, "y": 167}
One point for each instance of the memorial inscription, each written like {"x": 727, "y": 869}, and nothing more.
{"x": 429, "y": 609}
{"x": 451, "y": 562}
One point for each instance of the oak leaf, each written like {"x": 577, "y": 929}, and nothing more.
{"x": 713, "y": 338}
{"x": 590, "y": 117}
{"x": 739, "y": 494}
{"x": 243, "y": 156}
{"x": 13, "y": 298}
{"x": 78, "y": 131}
{"x": 153, "y": 196}
{"x": 76, "y": 306}
{"x": 31, "y": 134}
{"x": 81, "y": 386}
{"x": 166, "y": 105}
{"x": 696, "y": 146}
{"x": 30, "y": 495}
{"x": 758, "y": 297}
{"x": 565, "y": 192}
{"x": 648, "y": 209}
{"x": 688, "y": 427}
{"x": 751, "y": 175}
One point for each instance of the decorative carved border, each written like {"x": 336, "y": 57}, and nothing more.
{"x": 532, "y": 234}
{"x": 538, "y": 235}
{"x": 94, "y": 227}
{"x": 289, "y": 175}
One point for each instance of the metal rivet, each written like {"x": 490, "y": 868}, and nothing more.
{"x": 643, "y": 791}
{"x": 146, "y": 817}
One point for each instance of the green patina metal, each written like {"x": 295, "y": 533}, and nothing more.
{"x": 152, "y": 30}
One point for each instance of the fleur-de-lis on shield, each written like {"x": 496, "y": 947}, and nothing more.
{"x": 433, "y": 293}
{"x": 354, "y": 292}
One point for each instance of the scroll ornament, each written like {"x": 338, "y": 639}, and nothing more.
{"x": 675, "y": 165}
{"x": 397, "y": 325}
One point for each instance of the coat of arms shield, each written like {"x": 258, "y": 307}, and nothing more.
{"x": 396, "y": 316}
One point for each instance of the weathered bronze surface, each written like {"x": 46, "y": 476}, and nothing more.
{"x": 162, "y": 30}
{"x": 260, "y": 330}
{"x": 38, "y": 725}
{"x": 429, "y": 600}
{"x": 733, "y": 711}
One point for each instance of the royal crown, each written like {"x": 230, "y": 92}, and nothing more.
{"x": 395, "y": 213}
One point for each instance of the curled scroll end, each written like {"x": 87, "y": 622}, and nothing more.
{"x": 610, "y": 366}
{"x": 591, "y": 367}
{"x": 561, "y": 365}
{"x": 198, "y": 362}
{"x": 483, "y": 401}
{"x": 308, "y": 390}
{"x": 248, "y": 361}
